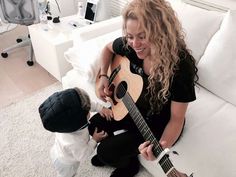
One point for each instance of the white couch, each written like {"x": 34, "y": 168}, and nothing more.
{"x": 207, "y": 147}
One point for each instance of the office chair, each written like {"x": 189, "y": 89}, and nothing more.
{"x": 23, "y": 12}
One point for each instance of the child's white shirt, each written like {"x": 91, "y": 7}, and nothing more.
{"x": 75, "y": 147}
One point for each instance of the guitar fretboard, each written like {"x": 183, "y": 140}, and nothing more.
{"x": 146, "y": 132}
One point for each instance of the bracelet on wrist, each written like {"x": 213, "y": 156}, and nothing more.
{"x": 103, "y": 75}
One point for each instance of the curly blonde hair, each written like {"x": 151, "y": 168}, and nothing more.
{"x": 164, "y": 32}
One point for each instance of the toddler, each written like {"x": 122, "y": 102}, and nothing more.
{"x": 66, "y": 113}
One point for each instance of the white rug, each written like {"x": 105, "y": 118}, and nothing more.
{"x": 5, "y": 27}
{"x": 25, "y": 144}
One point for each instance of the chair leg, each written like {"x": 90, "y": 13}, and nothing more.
{"x": 21, "y": 44}
{"x": 21, "y": 38}
{"x": 30, "y": 62}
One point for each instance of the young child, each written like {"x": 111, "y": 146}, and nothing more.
{"x": 66, "y": 113}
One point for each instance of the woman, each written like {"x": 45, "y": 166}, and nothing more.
{"x": 154, "y": 44}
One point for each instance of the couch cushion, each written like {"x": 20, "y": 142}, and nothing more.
{"x": 199, "y": 25}
{"x": 217, "y": 66}
{"x": 208, "y": 140}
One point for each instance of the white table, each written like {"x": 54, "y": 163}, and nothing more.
{"x": 50, "y": 41}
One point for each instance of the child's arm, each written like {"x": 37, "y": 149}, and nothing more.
{"x": 86, "y": 148}
{"x": 95, "y": 106}
{"x": 82, "y": 146}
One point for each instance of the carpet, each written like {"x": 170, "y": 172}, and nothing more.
{"x": 5, "y": 27}
{"x": 25, "y": 144}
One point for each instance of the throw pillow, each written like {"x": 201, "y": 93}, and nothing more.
{"x": 217, "y": 66}
{"x": 199, "y": 25}
{"x": 85, "y": 58}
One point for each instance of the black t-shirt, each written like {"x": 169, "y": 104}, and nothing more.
{"x": 181, "y": 89}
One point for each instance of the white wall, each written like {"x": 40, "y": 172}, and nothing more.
{"x": 70, "y": 7}
{"x": 117, "y": 6}
{"x": 218, "y": 5}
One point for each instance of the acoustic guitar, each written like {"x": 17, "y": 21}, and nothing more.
{"x": 126, "y": 88}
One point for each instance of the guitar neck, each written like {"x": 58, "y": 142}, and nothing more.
{"x": 146, "y": 132}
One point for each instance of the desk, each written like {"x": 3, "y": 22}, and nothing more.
{"x": 50, "y": 41}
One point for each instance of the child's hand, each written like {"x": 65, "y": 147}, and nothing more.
{"x": 107, "y": 113}
{"x": 98, "y": 136}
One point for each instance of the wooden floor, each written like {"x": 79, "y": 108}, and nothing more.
{"x": 17, "y": 79}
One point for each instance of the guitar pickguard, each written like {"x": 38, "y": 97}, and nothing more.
{"x": 112, "y": 97}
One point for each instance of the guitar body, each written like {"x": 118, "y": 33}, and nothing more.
{"x": 133, "y": 82}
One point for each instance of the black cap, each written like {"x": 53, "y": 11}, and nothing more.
{"x": 63, "y": 112}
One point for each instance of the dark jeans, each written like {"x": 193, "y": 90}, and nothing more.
{"x": 119, "y": 150}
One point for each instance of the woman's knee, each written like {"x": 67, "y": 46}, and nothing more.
{"x": 106, "y": 153}
{"x": 117, "y": 150}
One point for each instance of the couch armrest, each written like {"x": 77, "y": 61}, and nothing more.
{"x": 95, "y": 30}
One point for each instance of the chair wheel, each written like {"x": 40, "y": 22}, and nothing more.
{"x": 4, "y": 55}
{"x": 18, "y": 40}
{"x": 30, "y": 63}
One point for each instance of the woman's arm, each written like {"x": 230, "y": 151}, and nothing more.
{"x": 174, "y": 127}
{"x": 171, "y": 133}
{"x": 106, "y": 58}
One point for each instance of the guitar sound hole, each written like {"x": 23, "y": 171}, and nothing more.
{"x": 121, "y": 89}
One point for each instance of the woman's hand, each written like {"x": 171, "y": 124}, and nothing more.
{"x": 103, "y": 90}
{"x": 145, "y": 150}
